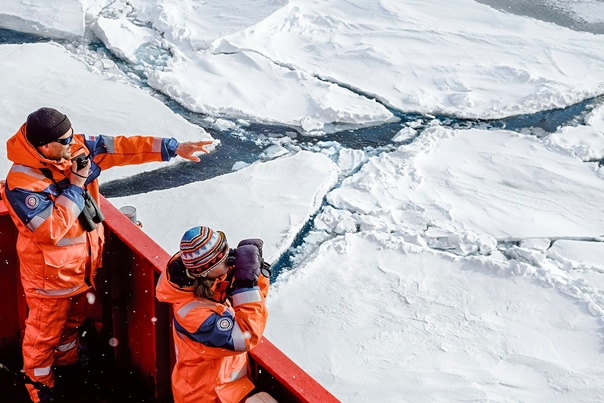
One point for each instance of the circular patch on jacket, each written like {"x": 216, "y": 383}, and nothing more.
{"x": 32, "y": 202}
{"x": 224, "y": 324}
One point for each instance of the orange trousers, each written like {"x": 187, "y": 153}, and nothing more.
{"x": 51, "y": 336}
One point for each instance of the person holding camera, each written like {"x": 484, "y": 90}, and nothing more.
{"x": 52, "y": 194}
{"x": 217, "y": 295}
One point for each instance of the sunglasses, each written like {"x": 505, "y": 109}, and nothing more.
{"x": 66, "y": 141}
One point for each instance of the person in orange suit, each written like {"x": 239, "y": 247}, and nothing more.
{"x": 217, "y": 295}
{"x": 53, "y": 202}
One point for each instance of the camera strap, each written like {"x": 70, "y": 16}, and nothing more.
{"x": 48, "y": 173}
{"x": 87, "y": 197}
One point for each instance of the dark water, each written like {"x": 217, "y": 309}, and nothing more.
{"x": 8, "y": 36}
{"x": 548, "y": 11}
{"x": 247, "y": 144}
{"x": 548, "y": 121}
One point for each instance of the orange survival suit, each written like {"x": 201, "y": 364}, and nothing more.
{"x": 58, "y": 257}
{"x": 212, "y": 337}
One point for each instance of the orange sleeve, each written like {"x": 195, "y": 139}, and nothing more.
{"x": 32, "y": 204}
{"x": 220, "y": 331}
{"x": 264, "y": 283}
{"x": 121, "y": 150}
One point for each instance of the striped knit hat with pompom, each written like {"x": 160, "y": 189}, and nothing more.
{"x": 201, "y": 249}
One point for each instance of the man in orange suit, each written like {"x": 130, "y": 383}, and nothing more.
{"x": 53, "y": 200}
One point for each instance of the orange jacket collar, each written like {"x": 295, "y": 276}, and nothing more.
{"x": 20, "y": 151}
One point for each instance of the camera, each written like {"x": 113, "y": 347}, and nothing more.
{"x": 80, "y": 160}
{"x": 231, "y": 258}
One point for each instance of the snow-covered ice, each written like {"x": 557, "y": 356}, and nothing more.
{"x": 257, "y": 202}
{"x": 458, "y": 264}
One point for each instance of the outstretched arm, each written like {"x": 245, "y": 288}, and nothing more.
{"x": 108, "y": 151}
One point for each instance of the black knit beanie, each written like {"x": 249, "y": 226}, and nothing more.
{"x": 45, "y": 126}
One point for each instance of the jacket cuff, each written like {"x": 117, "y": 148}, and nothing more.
{"x": 168, "y": 148}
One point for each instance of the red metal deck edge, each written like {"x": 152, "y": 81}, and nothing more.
{"x": 298, "y": 382}
{"x": 136, "y": 239}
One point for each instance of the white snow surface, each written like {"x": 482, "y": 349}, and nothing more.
{"x": 53, "y": 19}
{"x": 461, "y": 265}
{"x": 250, "y": 203}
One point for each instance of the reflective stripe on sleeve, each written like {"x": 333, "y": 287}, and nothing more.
{"x": 238, "y": 339}
{"x": 246, "y": 297}
{"x": 186, "y": 308}
{"x": 38, "y": 219}
{"x": 29, "y": 171}
{"x": 109, "y": 144}
{"x": 157, "y": 145}
{"x": 68, "y": 204}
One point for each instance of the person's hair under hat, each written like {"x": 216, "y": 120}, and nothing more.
{"x": 202, "y": 249}
{"x": 45, "y": 126}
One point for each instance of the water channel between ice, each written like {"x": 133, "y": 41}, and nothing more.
{"x": 248, "y": 142}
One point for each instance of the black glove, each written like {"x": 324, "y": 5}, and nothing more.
{"x": 247, "y": 266}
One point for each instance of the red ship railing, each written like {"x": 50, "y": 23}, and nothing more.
{"x": 126, "y": 308}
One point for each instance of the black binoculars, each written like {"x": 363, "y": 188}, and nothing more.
{"x": 91, "y": 215}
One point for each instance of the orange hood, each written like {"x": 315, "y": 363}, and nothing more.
{"x": 20, "y": 151}
{"x": 168, "y": 292}
{"x": 171, "y": 287}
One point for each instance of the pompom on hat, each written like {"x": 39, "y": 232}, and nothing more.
{"x": 202, "y": 249}
{"x": 45, "y": 126}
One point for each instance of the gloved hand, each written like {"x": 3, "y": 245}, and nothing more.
{"x": 265, "y": 267}
{"x": 258, "y": 243}
{"x": 247, "y": 266}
